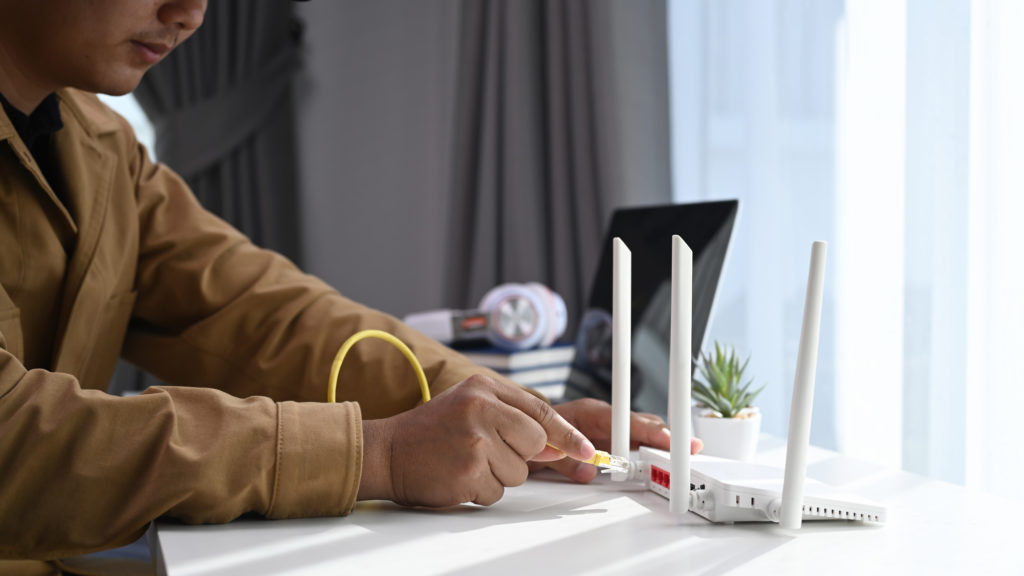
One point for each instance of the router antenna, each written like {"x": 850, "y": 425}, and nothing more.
{"x": 621, "y": 327}
{"x": 679, "y": 375}
{"x": 791, "y": 515}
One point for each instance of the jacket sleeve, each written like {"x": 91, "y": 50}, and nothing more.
{"x": 81, "y": 470}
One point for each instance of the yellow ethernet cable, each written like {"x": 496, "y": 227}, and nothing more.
{"x": 332, "y": 384}
{"x": 601, "y": 459}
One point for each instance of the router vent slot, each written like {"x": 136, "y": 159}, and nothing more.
{"x": 820, "y": 512}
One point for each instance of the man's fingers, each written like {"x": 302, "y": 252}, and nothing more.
{"x": 520, "y": 432}
{"x": 508, "y": 467}
{"x": 548, "y": 454}
{"x": 560, "y": 433}
{"x": 573, "y": 470}
{"x": 649, "y": 430}
{"x": 489, "y": 492}
{"x": 696, "y": 445}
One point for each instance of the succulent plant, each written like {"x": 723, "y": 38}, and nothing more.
{"x": 719, "y": 382}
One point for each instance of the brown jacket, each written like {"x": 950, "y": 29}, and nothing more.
{"x": 132, "y": 265}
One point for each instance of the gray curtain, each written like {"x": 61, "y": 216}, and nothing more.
{"x": 561, "y": 116}
{"x": 221, "y": 105}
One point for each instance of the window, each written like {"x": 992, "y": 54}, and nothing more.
{"x": 892, "y": 130}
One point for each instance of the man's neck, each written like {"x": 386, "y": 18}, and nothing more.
{"x": 20, "y": 90}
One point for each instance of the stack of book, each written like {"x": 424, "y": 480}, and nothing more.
{"x": 542, "y": 369}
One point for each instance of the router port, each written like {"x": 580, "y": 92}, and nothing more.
{"x": 660, "y": 477}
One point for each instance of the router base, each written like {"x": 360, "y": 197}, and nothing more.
{"x": 737, "y": 491}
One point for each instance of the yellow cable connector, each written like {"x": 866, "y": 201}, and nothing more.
{"x": 600, "y": 458}
{"x": 609, "y": 463}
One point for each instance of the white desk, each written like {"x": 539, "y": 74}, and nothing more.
{"x": 548, "y": 526}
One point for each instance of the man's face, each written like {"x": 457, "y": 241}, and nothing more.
{"x": 96, "y": 45}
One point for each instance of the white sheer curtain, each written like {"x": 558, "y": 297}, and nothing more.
{"x": 995, "y": 269}
{"x": 753, "y": 118}
{"x": 893, "y": 130}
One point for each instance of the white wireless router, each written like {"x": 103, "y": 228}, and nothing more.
{"x": 718, "y": 489}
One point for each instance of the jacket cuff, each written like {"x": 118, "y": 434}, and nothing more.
{"x": 319, "y": 459}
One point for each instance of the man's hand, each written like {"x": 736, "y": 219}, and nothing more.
{"x": 594, "y": 419}
{"x": 465, "y": 445}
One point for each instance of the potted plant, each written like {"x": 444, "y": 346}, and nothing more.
{"x": 724, "y": 416}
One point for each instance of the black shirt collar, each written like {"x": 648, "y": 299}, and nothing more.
{"x": 42, "y": 122}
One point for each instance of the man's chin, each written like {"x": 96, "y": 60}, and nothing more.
{"x": 116, "y": 92}
{"x": 119, "y": 86}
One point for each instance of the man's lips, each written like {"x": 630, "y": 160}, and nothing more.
{"x": 151, "y": 52}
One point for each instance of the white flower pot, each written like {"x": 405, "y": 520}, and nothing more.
{"x": 734, "y": 438}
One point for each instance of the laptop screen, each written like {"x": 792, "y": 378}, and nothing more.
{"x": 647, "y": 231}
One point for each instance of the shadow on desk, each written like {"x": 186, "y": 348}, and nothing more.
{"x": 547, "y": 525}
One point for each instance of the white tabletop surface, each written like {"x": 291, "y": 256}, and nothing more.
{"x": 552, "y": 526}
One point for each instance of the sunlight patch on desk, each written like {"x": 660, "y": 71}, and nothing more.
{"x": 688, "y": 555}
{"x": 267, "y": 540}
{"x": 432, "y": 554}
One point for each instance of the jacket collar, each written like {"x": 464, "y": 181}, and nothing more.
{"x": 9, "y": 134}
{"x": 7, "y": 130}
{"x": 42, "y": 122}
{"x": 86, "y": 121}
{"x": 88, "y": 160}
{"x": 93, "y": 116}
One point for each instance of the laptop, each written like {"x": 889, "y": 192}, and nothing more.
{"x": 707, "y": 228}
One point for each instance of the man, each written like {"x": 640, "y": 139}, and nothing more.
{"x": 103, "y": 253}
